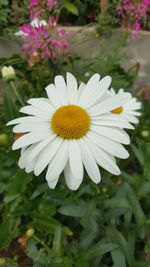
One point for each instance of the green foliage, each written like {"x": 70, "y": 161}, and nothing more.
{"x": 10, "y": 110}
{"x": 5, "y": 12}
{"x": 83, "y": 10}
{"x": 12, "y": 15}
{"x": 107, "y": 20}
{"x": 70, "y": 7}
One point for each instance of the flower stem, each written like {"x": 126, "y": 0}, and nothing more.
{"x": 16, "y": 92}
{"x": 40, "y": 241}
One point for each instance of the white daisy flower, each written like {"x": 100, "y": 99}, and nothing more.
{"x": 129, "y": 109}
{"x": 71, "y": 130}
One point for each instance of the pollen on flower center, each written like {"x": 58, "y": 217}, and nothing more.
{"x": 117, "y": 110}
{"x": 70, "y": 122}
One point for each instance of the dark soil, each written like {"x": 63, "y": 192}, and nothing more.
{"x": 15, "y": 249}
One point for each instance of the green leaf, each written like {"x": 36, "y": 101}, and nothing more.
{"x": 47, "y": 223}
{"x": 88, "y": 239}
{"x": 118, "y": 258}
{"x": 118, "y": 202}
{"x": 144, "y": 190}
{"x": 97, "y": 250}
{"x": 8, "y": 231}
{"x": 137, "y": 209}
{"x": 71, "y": 8}
{"x": 141, "y": 264}
{"x": 17, "y": 185}
{"x": 4, "y": 2}
{"x": 131, "y": 179}
{"x": 33, "y": 251}
{"x": 10, "y": 107}
{"x": 57, "y": 240}
{"x": 118, "y": 237}
{"x": 71, "y": 209}
{"x": 138, "y": 153}
{"x": 39, "y": 190}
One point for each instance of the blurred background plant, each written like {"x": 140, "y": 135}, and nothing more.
{"x": 101, "y": 225}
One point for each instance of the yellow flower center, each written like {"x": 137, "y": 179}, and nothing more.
{"x": 117, "y": 110}
{"x": 70, "y": 122}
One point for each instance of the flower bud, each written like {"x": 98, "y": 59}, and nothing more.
{"x": 30, "y": 232}
{"x": 104, "y": 189}
{"x": 145, "y": 133}
{"x": 116, "y": 180}
{"x": 3, "y": 139}
{"x": 87, "y": 74}
{"x": 8, "y": 73}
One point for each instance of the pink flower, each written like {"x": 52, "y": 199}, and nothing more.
{"x": 126, "y": 1}
{"x": 51, "y": 3}
{"x": 147, "y": 2}
{"x": 33, "y": 3}
{"x": 131, "y": 14}
{"x": 26, "y": 47}
{"x": 53, "y": 21}
{"x": 37, "y": 8}
{"x": 26, "y": 29}
{"x": 48, "y": 40}
{"x": 137, "y": 26}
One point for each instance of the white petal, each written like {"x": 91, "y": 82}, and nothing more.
{"x": 53, "y": 95}
{"x": 112, "y": 91}
{"x": 88, "y": 87}
{"x": 72, "y": 88}
{"x": 30, "y": 126}
{"x": 38, "y": 148}
{"x": 115, "y": 134}
{"x": 41, "y": 104}
{"x": 58, "y": 163}
{"x": 133, "y": 104}
{"x": 110, "y": 104}
{"x": 30, "y": 165}
{"x": 27, "y": 119}
{"x": 30, "y": 138}
{"x": 133, "y": 113}
{"x": 136, "y": 106}
{"x": 105, "y": 160}
{"x": 80, "y": 90}
{"x": 75, "y": 159}
{"x": 121, "y": 90}
{"x": 130, "y": 118}
{"x": 89, "y": 162}
{"x": 120, "y": 124}
{"x": 112, "y": 147}
{"x": 52, "y": 183}
{"x": 25, "y": 152}
{"x": 72, "y": 182}
{"x": 36, "y": 112}
{"x": 23, "y": 149}
{"x": 96, "y": 92}
{"x": 109, "y": 116}
{"x": 47, "y": 155}
{"x": 62, "y": 88}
